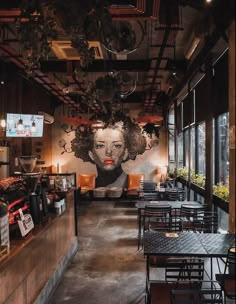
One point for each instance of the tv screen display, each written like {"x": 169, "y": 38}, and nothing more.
{"x": 24, "y": 125}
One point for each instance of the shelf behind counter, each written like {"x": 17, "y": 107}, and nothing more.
{"x": 35, "y": 263}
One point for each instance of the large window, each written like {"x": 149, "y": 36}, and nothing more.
{"x": 192, "y": 148}
{"x": 180, "y": 162}
{"x": 186, "y": 148}
{"x": 201, "y": 148}
{"x": 222, "y": 149}
{"x": 171, "y": 142}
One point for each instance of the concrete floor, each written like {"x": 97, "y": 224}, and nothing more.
{"x": 108, "y": 268}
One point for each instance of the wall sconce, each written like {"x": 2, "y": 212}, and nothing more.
{"x": 2, "y": 121}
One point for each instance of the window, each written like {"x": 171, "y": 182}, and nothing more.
{"x": 171, "y": 139}
{"x": 186, "y": 148}
{"x": 193, "y": 148}
{"x": 180, "y": 163}
{"x": 222, "y": 149}
{"x": 201, "y": 148}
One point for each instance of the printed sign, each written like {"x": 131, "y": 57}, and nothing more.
{"x": 4, "y": 231}
{"x": 26, "y": 223}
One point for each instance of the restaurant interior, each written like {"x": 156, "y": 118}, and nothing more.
{"x": 117, "y": 151}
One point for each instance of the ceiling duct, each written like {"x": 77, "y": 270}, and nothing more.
{"x": 63, "y": 49}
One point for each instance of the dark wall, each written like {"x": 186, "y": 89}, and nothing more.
{"x": 21, "y": 95}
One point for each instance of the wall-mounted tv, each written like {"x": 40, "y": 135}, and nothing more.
{"x": 24, "y": 125}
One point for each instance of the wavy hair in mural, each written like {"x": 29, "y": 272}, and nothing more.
{"x": 119, "y": 140}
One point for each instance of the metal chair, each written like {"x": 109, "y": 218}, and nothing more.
{"x": 208, "y": 222}
{"x": 175, "y": 194}
{"x": 183, "y": 272}
{"x": 227, "y": 278}
{"x": 158, "y": 218}
{"x": 191, "y": 216}
{"x": 197, "y": 295}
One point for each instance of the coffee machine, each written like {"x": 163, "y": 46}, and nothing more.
{"x": 37, "y": 196}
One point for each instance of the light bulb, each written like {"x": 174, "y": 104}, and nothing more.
{"x": 3, "y": 123}
{"x": 20, "y": 126}
{"x": 33, "y": 128}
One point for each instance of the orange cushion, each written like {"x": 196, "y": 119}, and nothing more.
{"x": 87, "y": 181}
{"x": 134, "y": 181}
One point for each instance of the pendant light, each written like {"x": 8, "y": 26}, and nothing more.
{"x": 20, "y": 126}
{"x": 33, "y": 127}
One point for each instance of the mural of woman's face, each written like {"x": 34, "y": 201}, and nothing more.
{"x": 108, "y": 149}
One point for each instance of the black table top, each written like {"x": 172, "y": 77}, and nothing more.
{"x": 187, "y": 244}
{"x": 217, "y": 243}
{"x": 173, "y": 204}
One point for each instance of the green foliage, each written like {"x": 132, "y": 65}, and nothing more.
{"x": 221, "y": 191}
{"x": 198, "y": 179}
{"x": 182, "y": 172}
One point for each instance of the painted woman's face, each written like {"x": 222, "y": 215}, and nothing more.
{"x": 108, "y": 149}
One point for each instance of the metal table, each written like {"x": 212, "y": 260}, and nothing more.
{"x": 191, "y": 244}
{"x": 140, "y": 205}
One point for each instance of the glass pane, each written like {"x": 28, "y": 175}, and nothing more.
{"x": 201, "y": 148}
{"x": 171, "y": 137}
{"x": 180, "y": 150}
{"x": 223, "y": 148}
{"x": 223, "y": 221}
{"x": 186, "y": 148}
{"x": 192, "y": 147}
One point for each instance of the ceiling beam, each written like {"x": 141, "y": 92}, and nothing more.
{"x": 98, "y": 65}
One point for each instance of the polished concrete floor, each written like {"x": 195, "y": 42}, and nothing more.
{"x": 108, "y": 268}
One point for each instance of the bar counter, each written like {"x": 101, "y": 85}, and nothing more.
{"x": 35, "y": 264}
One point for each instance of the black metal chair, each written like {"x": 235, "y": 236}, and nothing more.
{"x": 227, "y": 278}
{"x": 207, "y": 222}
{"x": 158, "y": 217}
{"x": 191, "y": 216}
{"x": 174, "y": 194}
{"x": 183, "y": 272}
{"x": 154, "y": 216}
{"x": 197, "y": 295}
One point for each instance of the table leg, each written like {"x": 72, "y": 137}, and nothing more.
{"x": 139, "y": 227}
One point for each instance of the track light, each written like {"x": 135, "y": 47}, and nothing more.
{"x": 192, "y": 48}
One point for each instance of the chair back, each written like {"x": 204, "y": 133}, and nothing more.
{"x": 174, "y": 194}
{"x": 134, "y": 180}
{"x": 196, "y": 295}
{"x": 192, "y": 217}
{"x": 86, "y": 181}
{"x": 158, "y": 218}
{"x": 230, "y": 263}
{"x": 209, "y": 222}
{"x": 184, "y": 269}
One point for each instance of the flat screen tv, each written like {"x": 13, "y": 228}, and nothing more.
{"x": 24, "y": 125}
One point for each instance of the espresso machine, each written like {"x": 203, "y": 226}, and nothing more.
{"x": 36, "y": 193}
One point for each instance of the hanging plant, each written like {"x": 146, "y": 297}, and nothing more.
{"x": 151, "y": 129}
